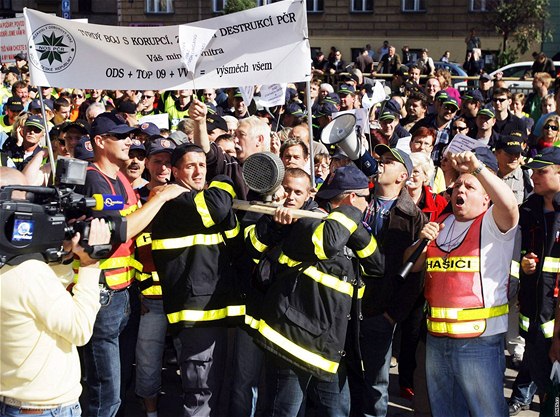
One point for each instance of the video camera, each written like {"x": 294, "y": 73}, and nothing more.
{"x": 35, "y": 224}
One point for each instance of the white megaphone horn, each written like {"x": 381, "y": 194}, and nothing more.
{"x": 342, "y": 132}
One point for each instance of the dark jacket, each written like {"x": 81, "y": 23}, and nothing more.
{"x": 537, "y": 301}
{"x": 306, "y": 310}
{"x": 390, "y": 294}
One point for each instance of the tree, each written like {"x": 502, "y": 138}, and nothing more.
{"x": 520, "y": 21}
{"x": 233, "y": 6}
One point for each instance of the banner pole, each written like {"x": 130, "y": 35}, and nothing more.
{"x": 310, "y": 127}
{"x": 47, "y": 137}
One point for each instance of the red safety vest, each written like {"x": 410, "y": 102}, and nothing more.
{"x": 454, "y": 288}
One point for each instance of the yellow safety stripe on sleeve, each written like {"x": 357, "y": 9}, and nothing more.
{"x": 187, "y": 241}
{"x": 514, "y": 269}
{"x": 453, "y": 264}
{"x": 548, "y": 329}
{"x": 297, "y": 351}
{"x": 230, "y": 234}
{"x": 284, "y": 260}
{"x": 551, "y": 264}
{"x": 464, "y": 314}
{"x": 524, "y": 322}
{"x": 329, "y": 281}
{"x": 257, "y": 244}
{"x": 317, "y": 240}
{"x": 344, "y": 220}
{"x": 203, "y": 211}
{"x": 120, "y": 262}
{"x": 223, "y": 186}
{"x": 252, "y": 322}
{"x": 368, "y": 250}
{"x": 206, "y": 315}
{"x": 143, "y": 239}
{"x": 127, "y": 211}
{"x": 457, "y": 328}
{"x": 248, "y": 230}
{"x": 361, "y": 291}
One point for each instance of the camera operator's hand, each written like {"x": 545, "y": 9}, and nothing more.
{"x": 99, "y": 234}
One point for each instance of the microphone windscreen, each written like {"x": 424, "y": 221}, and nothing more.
{"x": 108, "y": 202}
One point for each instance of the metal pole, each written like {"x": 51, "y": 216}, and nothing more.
{"x": 310, "y": 126}
{"x": 47, "y": 136}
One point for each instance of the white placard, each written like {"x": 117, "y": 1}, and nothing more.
{"x": 12, "y": 38}
{"x": 462, "y": 143}
{"x": 273, "y": 95}
{"x": 263, "y": 45}
{"x": 160, "y": 120}
{"x": 404, "y": 144}
{"x": 247, "y": 93}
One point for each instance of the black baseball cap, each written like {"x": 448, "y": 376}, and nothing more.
{"x": 547, "y": 157}
{"x": 181, "y": 150}
{"x": 399, "y": 155}
{"x": 109, "y": 123}
{"x": 346, "y": 178}
{"x": 159, "y": 145}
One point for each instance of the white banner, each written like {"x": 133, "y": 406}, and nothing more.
{"x": 273, "y": 95}
{"x": 12, "y": 38}
{"x": 263, "y": 45}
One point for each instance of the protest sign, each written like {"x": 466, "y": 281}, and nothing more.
{"x": 273, "y": 95}
{"x": 12, "y": 38}
{"x": 461, "y": 143}
{"x": 263, "y": 45}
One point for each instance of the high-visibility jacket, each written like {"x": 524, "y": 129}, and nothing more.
{"x": 4, "y": 124}
{"x": 119, "y": 269}
{"x": 455, "y": 288}
{"x": 538, "y": 292}
{"x": 176, "y": 115}
{"x": 194, "y": 237}
{"x": 306, "y": 311}
{"x": 147, "y": 276}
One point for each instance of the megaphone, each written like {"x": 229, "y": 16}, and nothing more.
{"x": 341, "y": 131}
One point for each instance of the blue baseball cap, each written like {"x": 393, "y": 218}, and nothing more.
{"x": 399, "y": 155}
{"x": 547, "y": 157}
{"x": 149, "y": 129}
{"x": 159, "y": 145}
{"x": 109, "y": 123}
{"x": 84, "y": 149}
{"x": 346, "y": 178}
{"x": 487, "y": 157}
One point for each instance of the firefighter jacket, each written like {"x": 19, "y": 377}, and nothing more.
{"x": 305, "y": 312}
{"x": 538, "y": 292}
{"x": 147, "y": 276}
{"x": 455, "y": 288}
{"x": 194, "y": 239}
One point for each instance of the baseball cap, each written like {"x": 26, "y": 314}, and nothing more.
{"x": 512, "y": 143}
{"x": 36, "y": 104}
{"x": 485, "y": 76}
{"x": 215, "y": 122}
{"x": 79, "y": 124}
{"x": 159, "y": 145}
{"x": 441, "y": 95}
{"x": 127, "y": 106}
{"x": 487, "y": 111}
{"x": 178, "y": 137}
{"x": 452, "y": 101}
{"x": 548, "y": 156}
{"x": 35, "y": 121}
{"x": 326, "y": 109}
{"x": 474, "y": 95}
{"x": 485, "y": 155}
{"x": 388, "y": 115}
{"x": 294, "y": 109}
{"x": 332, "y": 98}
{"x": 399, "y": 155}
{"x": 149, "y": 129}
{"x": 109, "y": 123}
{"x": 136, "y": 145}
{"x": 22, "y": 56}
{"x": 84, "y": 149}
{"x": 346, "y": 89}
{"x": 14, "y": 104}
{"x": 346, "y": 178}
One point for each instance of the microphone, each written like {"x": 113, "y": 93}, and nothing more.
{"x": 108, "y": 202}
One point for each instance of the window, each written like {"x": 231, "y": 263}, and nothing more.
{"x": 265, "y": 2}
{"x": 479, "y": 5}
{"x": 159, "y": 6}
{"x": 413, "y": 6}
{"x": 362, "y": 5}
{"x": 315, "y": 6}
{"x": 218, "y": 5}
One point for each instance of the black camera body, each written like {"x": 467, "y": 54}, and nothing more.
{"x": 34, "y": 222}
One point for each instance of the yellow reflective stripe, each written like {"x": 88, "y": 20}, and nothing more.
{"x": 143, "y": 239}
{"x": 125, "y": 212}
{"x": 344, "y": 220}
{"x": 203, "y": 211}
{"x": 223, "y": 186}
{"x": 468, "y": 313}
{"x": 120, "y": 262}
{"x": 248, "y": 230}
{"x": 187, "y": 241}
{"x": 317, "y": 240}
{"x": 329, "y": 281}
{"x": 461, "y": 327}
{"x": 257, "y": 244}
{"x": 361, "y": 291}
{"x": 368, "y": 250}
{"x": 295, "y": 350}
{"x": 120, "y": 278}
{"x": 548, "y": 329}
{"x": 284, "y": 260}
{"x": 524, "y": 322}
{"x": 251, "y": 321}
{"x": 514, "y": 269}
{"x": 551, "y": 264}
{"x": 230, "y": 234}
{"x": 453, "y": 264}
{"x": 206, "y": 315}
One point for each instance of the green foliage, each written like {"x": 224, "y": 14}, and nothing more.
{"x": 520, "y": 21}
{"x": 233, "y": 6}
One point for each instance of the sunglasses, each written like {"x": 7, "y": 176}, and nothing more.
{"x": 77, "y": 96}
{"x": 460, "y": 127}
{"x": 551, "y": 127}
{"x": 499, "y": 100}
{"x": 146, "y": 97}
{"x": 366, "y": 196}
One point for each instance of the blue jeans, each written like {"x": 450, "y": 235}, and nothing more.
{"x": 523, "y": 389}
{"x": 202, "y": 362}
{"x": 465, "y": 376}
{"x": 248, "y": 361}
{"x": 102, "y": 355}
{"x": 370, "y": 397}
{"x": 149, "y": 348}
{"x": 73, "y": 410}
{"x": 288, "y": 387}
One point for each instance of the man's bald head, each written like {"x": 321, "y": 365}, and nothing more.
{"x": 11, "y": 176}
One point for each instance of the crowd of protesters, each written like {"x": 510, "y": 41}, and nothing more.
{"x": 318, "y": 309}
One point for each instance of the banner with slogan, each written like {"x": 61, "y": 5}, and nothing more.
{"x": 12, "y": 38}
{"x": 263, "y": 45}
{"x": 69, "y": 54}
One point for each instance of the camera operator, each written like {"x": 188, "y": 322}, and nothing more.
{"x": 40, "y": 326}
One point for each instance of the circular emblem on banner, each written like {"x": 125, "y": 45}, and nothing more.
{"x": 52, "y": 48}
